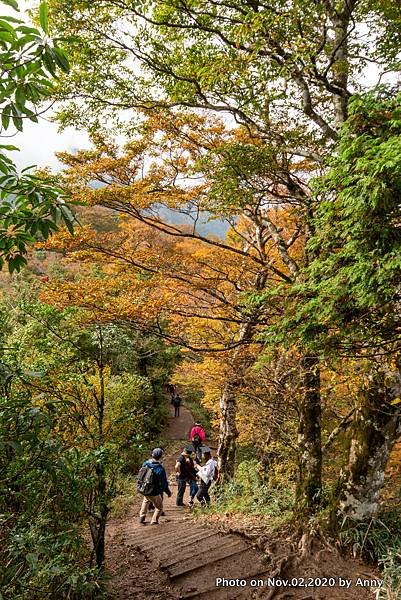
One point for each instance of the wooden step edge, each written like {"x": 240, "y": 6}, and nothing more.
{"x": 190, "y": 543}
{"x": 161, "y": 542}
{"x": 154, "y": 532}
{"x": 232, "y": 542}
{"x": 163, "y": 534}
{"x": 204, "y": 563}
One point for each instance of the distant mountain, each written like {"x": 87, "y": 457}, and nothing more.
{"x": 204, "y": 226}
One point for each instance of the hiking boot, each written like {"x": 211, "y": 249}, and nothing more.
{"x": 141, "y": 520}
{"x": 163, "y": 514}
{"x": 191, "y": 502}
{"x": 154, "y": 523}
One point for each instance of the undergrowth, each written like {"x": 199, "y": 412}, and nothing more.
{"x": 248, "y": 494}
{"x": 378, "y": 540}
{"x": 126, "y": 486}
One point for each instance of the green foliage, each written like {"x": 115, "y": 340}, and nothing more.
{"x": 242, "y": 57}
{"x": 69, "y": 418}
{"x": 40, "y": 505}
{"x": 351, "y": 287}
{"x": 30, "y": 205}
{"x": 371, "y": 539}
{"x": 390, "y": 570}
{"x": 379, "y": 541}
{"x": 247, "y": 493}
{"x": 30, "y": 61}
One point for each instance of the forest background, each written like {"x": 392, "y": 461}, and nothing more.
{"x": 237, "y": 222}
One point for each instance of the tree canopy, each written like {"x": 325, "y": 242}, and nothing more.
{"x": 30, "y": 204}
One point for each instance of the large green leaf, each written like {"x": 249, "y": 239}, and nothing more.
{"x": 43, "y": 16}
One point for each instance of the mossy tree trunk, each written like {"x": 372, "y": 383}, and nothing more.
{"x": 228, "y": 405}
{"x": 375, "y": 429}
{"x": 308, "y": 492}
{"x": 228, "y": 433}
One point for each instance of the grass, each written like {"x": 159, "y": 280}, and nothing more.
{"x": 248, "y": 495}
{"x": 378, "y": 540}
{"x": 126, "y": 496}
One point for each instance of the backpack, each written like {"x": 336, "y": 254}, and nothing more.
{"x": 147, "y": 481}
{"x": 197, "y": 438}
{"x": 216, "y": 473}
{"x": 176, "y": 401}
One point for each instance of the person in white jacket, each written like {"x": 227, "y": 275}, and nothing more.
{"x": 207, "y": 475}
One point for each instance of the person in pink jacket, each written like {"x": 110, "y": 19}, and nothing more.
{"x": 197, "y": 436}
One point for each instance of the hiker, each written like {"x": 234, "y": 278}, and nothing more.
{"x": 197, "y": 436}
{"x": 208, "y": 473}
{"x": 184, "y": 468}
{"x": 193, "y": 486}
{"x": 152, "y": 482}
{"x": 176, "y": 404}
{"x": 170, "y": 390}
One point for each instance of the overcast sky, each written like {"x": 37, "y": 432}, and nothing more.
{"x": 39, "y": 142}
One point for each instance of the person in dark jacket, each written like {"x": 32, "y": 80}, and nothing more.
{"x": 177, "y": 404}
{"x": 193, "y": 486}
{"x": 160, "y": 487}
{"x": 184, "y": 468}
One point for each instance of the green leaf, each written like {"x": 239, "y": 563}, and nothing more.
{"x": 7, "y": 27}
{"x": 20, "y": 98}
{"x": 43, "y": 16}
{"x": 61, "y": 59}
{"x": 8, "y": 147}
{"x": 28, "y": 30}
{"x": 5, "y": 118}
{"x": 17, "y": 120}
{"x": 15, "y": 263}
{"x": 11, "y": 3}
{"x": 32, "y": 560}
{"x": 68, "y": 218}
{"x": 6, "y": 37}
{"x": 15, "y": 446}
{"x": 49, "y": 62}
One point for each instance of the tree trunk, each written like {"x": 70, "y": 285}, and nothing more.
{"x": 375, "y": 429}
{"x": 228, "y": 434}
{"x": 308, "y": 492}
{"x": 102, "y": 519}
{"x": 228, "y": 406}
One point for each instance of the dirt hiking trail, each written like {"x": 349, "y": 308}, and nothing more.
{"x": 182, "y": 557}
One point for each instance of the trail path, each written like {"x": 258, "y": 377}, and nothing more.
{"x": 182, "y": 557}
{"x": 188, "y": 555}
